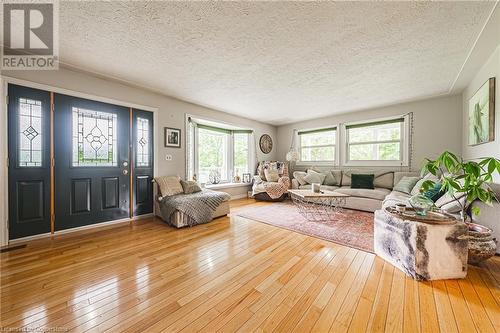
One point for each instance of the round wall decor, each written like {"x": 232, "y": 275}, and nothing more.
{"x": 266, "y": 143}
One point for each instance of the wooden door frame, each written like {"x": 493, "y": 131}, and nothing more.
{"x": 5, "y": 81}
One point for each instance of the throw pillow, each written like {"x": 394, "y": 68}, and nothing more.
{"x": 314, "y": 177}
{"x": 362, "y": 181}
{"x": 169, "y": 185}
{"x": 416, "y": 189}
{"x": 406, "y": 184}
{"x": 299, "y": 175}
{"x": 190, "y": 186}
{"x": 447, "y": 203}
{"x": 434, "y": 193}
{"x": 260, "y": 172}
{"x": 330, "y": 179}
{"x": 272, "y": 175}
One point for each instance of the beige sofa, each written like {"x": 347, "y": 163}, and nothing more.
{"x": 361, "y": 199}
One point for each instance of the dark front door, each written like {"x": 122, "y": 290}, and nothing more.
{"x": 91, "y": 162}
{"x": 142, "y": 174}
{"x": 29, "y": 161}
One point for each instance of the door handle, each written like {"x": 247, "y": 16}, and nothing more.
{"x": 125, "y": 172}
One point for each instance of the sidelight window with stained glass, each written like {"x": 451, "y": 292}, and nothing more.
{"x": 30, "y": 133}
{"x": 94, "y": 138}
{"x": 142, "y": 137}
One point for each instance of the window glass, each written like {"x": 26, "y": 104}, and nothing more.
{"x": 30, "y": 133}
{"x": 241, "y": 147}
{"x": 212, "y": 154}
{"x": 317, "y": 154}
{"x": 94, "y": 138}
{"x": 317, "y": 146}
{"x": 384, "y": 132}
{"x": 375, "y": 142}
{"x": 142, "y": 136}
{"x": 375, "y": 152}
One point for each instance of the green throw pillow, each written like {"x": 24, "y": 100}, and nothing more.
{"x": 362, "y": 181}
{"x": 434, "y": 193}
{"x": 406, "y": 184}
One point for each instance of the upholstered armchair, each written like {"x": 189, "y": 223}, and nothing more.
{"x": 271, "y": 182}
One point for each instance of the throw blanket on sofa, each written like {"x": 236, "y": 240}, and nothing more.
{"x": 198, "y": 206}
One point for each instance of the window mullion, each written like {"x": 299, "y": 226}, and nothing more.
{"x": 230, "y": 158}
{"x": 373, "y": 142}
{"x": 196, "y": 158}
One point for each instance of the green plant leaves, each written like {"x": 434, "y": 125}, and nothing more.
{"x": 427, "y": 185}
{"x": 469, "y": 177}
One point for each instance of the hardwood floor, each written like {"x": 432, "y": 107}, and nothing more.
{"x": 226, "y": 276}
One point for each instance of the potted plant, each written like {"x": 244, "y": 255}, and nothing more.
{"x": 465, "y": 182}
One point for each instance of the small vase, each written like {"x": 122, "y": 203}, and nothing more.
{"x": 421, "y": 204}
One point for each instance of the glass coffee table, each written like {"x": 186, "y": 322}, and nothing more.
{"x": 321, "y": 206}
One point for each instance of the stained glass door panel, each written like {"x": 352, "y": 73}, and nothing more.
{"x": 142, "y": 150}
{"x": 29, "y": 161}
{"x": 92, "y": 161}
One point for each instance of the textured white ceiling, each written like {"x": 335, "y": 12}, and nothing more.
{"x": 277, "y": 62}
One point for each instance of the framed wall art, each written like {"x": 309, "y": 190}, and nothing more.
{"x": 482, "y": 114}
{"x": 172, "y": 137}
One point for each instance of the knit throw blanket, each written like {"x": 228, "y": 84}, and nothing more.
{"x": 198, "y": 206}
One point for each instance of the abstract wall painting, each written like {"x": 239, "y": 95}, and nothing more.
{"x": 482, "y": 114}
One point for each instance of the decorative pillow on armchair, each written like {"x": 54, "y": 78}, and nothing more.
{"x": 169, "y": 185}
{"x": 272, "y": 175}
{"x": 190, "y": 186}
{"x": 271, "y": 165}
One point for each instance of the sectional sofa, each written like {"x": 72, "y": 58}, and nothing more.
{"x": 370, "y": 199}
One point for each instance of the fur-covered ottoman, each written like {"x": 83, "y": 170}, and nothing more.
{"x": 423, "y": 251}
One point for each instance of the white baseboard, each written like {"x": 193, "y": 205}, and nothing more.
{"x": 86, "y": 227}
{"x": 28, "y": 238}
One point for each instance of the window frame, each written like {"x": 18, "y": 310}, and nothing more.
{"x": 193, "y": 166}
{"x": 297, "y": 139}
{"x": 404, "y": 144}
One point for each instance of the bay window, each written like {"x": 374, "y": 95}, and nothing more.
{"x": 218, "y": 147}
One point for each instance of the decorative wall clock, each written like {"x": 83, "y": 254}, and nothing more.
{"x": 266, "y": 143}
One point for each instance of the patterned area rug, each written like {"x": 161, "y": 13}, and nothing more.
{"x": 351, "y": 227}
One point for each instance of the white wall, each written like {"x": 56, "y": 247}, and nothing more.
{"x": 491, "y": 68}
{"x": 437, "y": 126}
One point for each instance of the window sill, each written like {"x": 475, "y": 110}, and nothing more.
{"x": 226, "y": 185}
